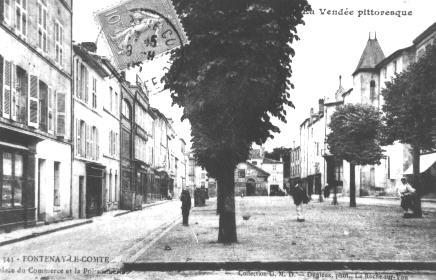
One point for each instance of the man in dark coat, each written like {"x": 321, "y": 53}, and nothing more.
{"x": 186, "y": 205}
{"x": 300, "y": 197}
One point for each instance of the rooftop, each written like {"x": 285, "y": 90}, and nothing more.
{"x": 371, "y": 56}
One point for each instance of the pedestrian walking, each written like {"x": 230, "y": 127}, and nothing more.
{"x": 300, "y": 197}
{"x": 408, "y": 198}
{"x": 186, "y": 206}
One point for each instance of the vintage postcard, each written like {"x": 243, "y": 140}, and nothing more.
{"x": 217, "y": 139}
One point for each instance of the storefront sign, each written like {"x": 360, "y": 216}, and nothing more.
{"x": 140, "y": 30}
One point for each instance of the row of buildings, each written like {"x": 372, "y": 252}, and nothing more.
{"x": 258, "y": 176}
{"x": 77, "y": 137}
{"x": 311, "y": 160}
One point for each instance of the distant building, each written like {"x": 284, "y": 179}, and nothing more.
{"x": 251, "y": 180}
{"x": 318, "y": 167}
{"x": 295, "y": 165}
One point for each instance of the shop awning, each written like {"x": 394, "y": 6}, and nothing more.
{"x": 425, "y": 162}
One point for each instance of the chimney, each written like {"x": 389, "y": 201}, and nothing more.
{"x": 321, "y": 107}
{"x": 89, "y": 46}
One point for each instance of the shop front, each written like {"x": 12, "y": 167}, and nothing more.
{"x": 17, "y": 179}
{"x": 94, "y": 189}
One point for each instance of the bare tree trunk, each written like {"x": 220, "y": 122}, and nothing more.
{"x": 417, "y": 179}
{"x": 352, "y": 185}
{"x": 226, "y": 207}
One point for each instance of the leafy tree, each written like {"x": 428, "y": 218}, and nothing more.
{"x": 355, "y": 137}
{"x": 231, "y": 79}
{"x": 410, "y": 114}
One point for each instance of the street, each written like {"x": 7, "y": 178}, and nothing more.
{"x": 101, "y": 245}
{"x": 267, "y": 232}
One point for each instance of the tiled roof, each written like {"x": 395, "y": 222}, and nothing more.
{"x": 371, "y": 56}
{"x": 260, "y": 170}
{"x": 271, "y": 161}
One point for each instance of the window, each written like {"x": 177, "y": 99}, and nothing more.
{"x": 11, "y": 179}
{"x": 42, "y": 25}
{"x": 94, "y": 146}
{"x": 116, "y": 101}
{"x": 7, "y": 11}
{"x": 110, "y": 185}
{"x": 385, "y": 72}
{"x": 111, "y": 99}
{"x": 56, "y": 184}
{"x": 43, "y": 106}
{"x": 395, "y": 67}
{"x": 274, "y": 167}
{"x": 126, "y": 109}
{"x": 94, "y": 93}
{"x": 19, "y": 95}
{"x": 51, "y": 106}
{"x": 59, "y": 35}
{"x": 82, "y": 87}
{"x": 21, "y": 16}
{"x": 241, "y": 173}
{"x": 372, "y": 93}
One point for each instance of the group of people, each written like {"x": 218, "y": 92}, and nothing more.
{"x": 409, "y": 199}
{"x": 408, "y": 195}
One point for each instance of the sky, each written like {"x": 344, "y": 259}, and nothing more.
{"x": 330, "y": 45}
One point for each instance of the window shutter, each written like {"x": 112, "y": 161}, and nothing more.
{"x": 50, "y": 110}
{"x": 87, "y": 140}
{"x": 14, "y": 94}
{"x": 61, "y": 114}
{"x": 97, "y": 146}
{"x": 77, "y": 137}
{"x": 2, "y": 10}
{"x": 86, "y": 85}
{"x": 33, "y": 101}
{"x": 1, "y": 77}
{"x": 7, "y": 89}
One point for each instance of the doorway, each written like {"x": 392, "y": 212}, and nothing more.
{"x": 81, "y": 186}
{"x": 251, "y": 187}
{"x": 40, "y": 212}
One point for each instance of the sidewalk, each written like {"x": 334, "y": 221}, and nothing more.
{"x": 369, "y": 233}
{"x": 39, "y": 230}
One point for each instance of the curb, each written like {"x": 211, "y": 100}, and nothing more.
{"x": 155, "y": 236}
{"x": 431, "y": 200}
{"x": 143, "y": 207}
{"x": 37, "y": 234}
{"x": 308, "y": 265}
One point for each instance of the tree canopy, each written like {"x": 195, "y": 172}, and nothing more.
{"x": 410, "y": 102}
{"x": 231, "y": 79}
{"x": 234, "y": 74}
{"x": 355, "y": 134}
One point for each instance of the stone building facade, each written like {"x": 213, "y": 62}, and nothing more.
{"x": 35, "y": 115}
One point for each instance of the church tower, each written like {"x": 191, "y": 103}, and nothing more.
{"x": 366, "y": 80}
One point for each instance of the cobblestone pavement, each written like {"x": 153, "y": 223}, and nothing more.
{"x": 101, "y": 245}
{"x": 271, "y": 233}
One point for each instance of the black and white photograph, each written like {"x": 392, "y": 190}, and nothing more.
{"x": 217, "y": 139}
